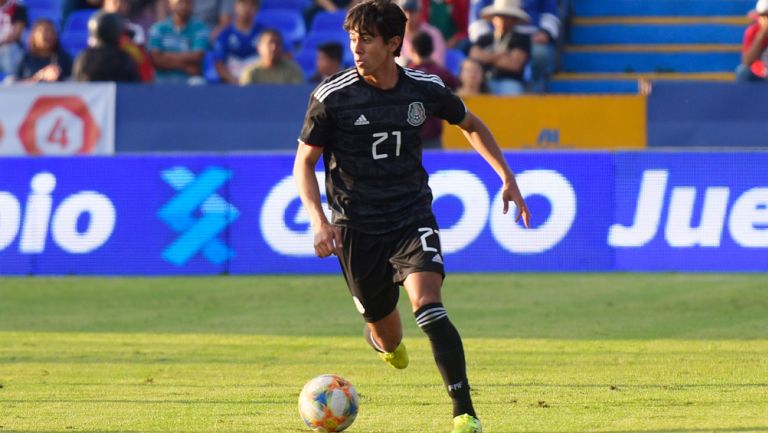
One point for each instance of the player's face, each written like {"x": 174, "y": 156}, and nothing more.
{"x": 371, "y": 52}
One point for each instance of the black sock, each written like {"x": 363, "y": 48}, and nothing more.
{"x": 449, "y": 354}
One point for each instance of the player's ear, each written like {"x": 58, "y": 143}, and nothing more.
{"x": 394, "y": 43}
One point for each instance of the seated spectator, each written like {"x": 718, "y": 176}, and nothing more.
{"x": 328, "y": 61}
{"x": 451, "y": 17}
{"x": 133, "y": 39}
{"x": 13, "y": 20}
{"x": 414, "y": 25}
{"x": 235, "y": 47}
{"x": 471, "y": 79}
{"x": 504, "y": 53}
{"x": 177, "y": 46}
{"x": 432, "y": 131}
{"x": 104, "y": 60}
{"x": 544, "y": 30}
{"x": 754, "y": 51}
{"x": 273, "y": 66}
{"x": 45, "y": 60}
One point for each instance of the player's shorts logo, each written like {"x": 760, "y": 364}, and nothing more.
{"x": 416, "y": 113}
{"x": 197, "y": 196}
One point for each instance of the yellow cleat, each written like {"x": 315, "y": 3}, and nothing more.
{"x": 466, "y": 424}
{"x": 397, "y": 359}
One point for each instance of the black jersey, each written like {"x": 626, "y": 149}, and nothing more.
{"x": 375, "y": 181}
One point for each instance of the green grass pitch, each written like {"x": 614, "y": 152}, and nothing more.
{"x": 645, "y": 353}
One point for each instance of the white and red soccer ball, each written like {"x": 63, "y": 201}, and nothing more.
{"x": 328, "y": 403}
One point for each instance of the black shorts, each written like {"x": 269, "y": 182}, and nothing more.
{"x": 374, "y": 265}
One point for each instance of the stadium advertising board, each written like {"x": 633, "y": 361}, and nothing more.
{"x": 65, "y": 119}
{"x": 155, "y": 215}
{"x": 559, "y": 122}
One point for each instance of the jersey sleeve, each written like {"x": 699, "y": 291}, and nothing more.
{"x": 317, "y": 127}
{"x": 450, "y": 107}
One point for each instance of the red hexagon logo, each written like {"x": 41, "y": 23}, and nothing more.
{"x": 59, "y": 125}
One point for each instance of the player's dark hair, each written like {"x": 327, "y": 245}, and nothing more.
{"x": 423, "y": 45}
{"x": 377, "y": 17}
{"x": 333, "y": 50}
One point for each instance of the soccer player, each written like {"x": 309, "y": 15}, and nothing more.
{"x": 365, "y": 123}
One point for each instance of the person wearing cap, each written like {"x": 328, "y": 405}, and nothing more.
{"x": 754, "y": 53}
{"x": 417, "y": 24}
{"x": 543, "y": 28}
{"x": 505, "y": 52}
{"x": 104, "y": 60}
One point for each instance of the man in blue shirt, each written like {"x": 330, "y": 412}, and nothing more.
{"x": 177, "y": 45}
{"x": 235, "y": 47}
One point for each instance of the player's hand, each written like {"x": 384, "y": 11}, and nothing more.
{"x": 327, "y": 240}
{"x": 510, "y": 192}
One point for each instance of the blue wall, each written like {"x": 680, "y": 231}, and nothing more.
{"x": 711, "y": 115}
{"x": 209, "y": 118}
{"x": 154, "y": 215}
{"x": 230, "y": 118}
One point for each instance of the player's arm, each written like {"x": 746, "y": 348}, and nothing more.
{"x": 481, "y": 139}
{"x": 327, "y": 236}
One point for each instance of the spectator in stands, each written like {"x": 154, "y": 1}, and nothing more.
{"x": 451, "y": 17}
{"x": 45, "y": 60}
{"x": 505, "y": 52}
{"x": 754, "y": 53}
{"x": 432, "y": 131}
{"x": 273, "y": 66}
{"x": 104, "y": 60}
{"x": 328, "y": 61}
{"x": 177, "y": 45}
{"x": 235, "y": 47}
{"x": 414, "y": 25}
{"x": 544, "y": 30}
{"x": 133, "y": 39}
{"x": 471, "y": 79}
{"x": 13, "y": 20}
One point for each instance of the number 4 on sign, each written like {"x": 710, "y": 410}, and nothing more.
{"x": 58, "y": 134}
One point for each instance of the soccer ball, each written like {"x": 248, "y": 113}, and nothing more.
{"x": 328, "y": 403}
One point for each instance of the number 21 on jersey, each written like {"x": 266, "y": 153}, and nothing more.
{"x": 381, "y": 137}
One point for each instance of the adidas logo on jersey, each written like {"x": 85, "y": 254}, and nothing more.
{"x": 362, "y": 121}
{"x": 437, "y": 259}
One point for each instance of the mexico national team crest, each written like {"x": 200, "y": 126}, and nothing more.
{"x": 416, "y": 113}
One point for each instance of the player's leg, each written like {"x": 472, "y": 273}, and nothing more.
{"x": 386, "y": 337}
{"x": 424, "y": 292}
{"x": 364, "y": 260}
{"x": 419, "y": 267}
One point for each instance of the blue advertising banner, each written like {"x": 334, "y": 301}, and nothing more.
{"x": 166, "y": 215}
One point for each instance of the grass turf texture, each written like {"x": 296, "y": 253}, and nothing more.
{"x": 623, "y": 353}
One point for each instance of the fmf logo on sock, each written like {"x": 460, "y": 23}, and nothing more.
{"x": 197, "y": 234}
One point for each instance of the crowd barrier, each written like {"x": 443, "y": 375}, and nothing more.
{"x": 592, "y": 211}
{"x": 82, "y": 119}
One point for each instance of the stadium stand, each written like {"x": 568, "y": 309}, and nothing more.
{"x": 297, "y": 5}
{"x": 612, "y": 46}
{"x": 74, "y": 37}
{"x": 328, "y": 21}
{"x": 289, "y": 22}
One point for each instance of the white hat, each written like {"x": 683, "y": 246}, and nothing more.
{"x": 762, "y": 6}
{"x": 509, "y": 8}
